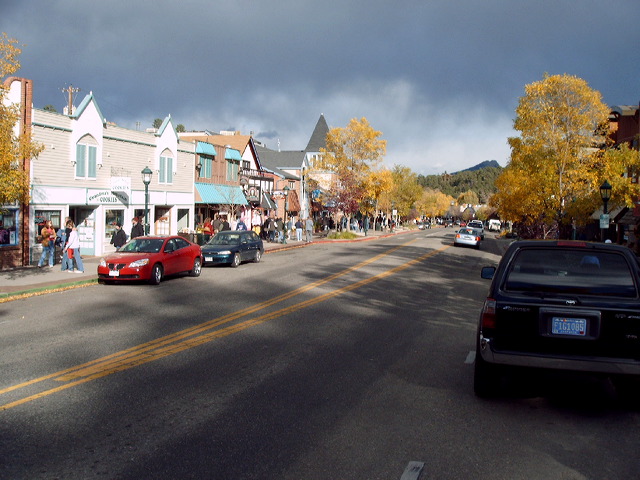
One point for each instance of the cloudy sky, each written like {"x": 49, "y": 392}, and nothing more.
{"x": 439, "y": 78}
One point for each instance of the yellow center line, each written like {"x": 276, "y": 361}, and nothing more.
{"x": 119, "y": 357}
{"x": 167, "y": 345}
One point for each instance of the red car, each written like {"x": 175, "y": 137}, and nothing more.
{"x": 151, "y": 258}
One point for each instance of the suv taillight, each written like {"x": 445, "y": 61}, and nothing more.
{"x": 489, "y": 313}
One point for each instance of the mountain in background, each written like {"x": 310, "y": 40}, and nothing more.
{"x": 485, "y": 164}
{"x": 479, "y": 179}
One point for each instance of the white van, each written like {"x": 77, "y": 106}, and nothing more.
{"x": 494, "y": 224}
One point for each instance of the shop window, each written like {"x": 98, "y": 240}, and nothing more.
{"x": 165, "y": 172}
{"x": 232, "y": 170}
{"x": 112, "y": 217}
{"x": 206, "y": 167}
{"x": 86, "y": 161}
{"x": 41, "y": 216}
{"x": 8, "y": 227}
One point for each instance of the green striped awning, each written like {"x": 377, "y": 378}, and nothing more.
{"x": 220, "y": 194}
{"x": 204, "y": 148}
{"x": 232, "y": 154}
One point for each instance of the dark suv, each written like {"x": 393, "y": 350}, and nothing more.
{"x": 562, "y": 305}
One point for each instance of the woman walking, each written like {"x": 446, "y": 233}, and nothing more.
{"x": 48, "y": 242}
{"x": 73, "y": 251}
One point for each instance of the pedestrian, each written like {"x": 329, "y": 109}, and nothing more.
{"x": 309, "y": 229}
{"x": 271, "y": 229}
{"x": 67, "y": 232}
{"x": 290, "y": 228}
{"x": 61, "y": 239}
{"x": 137, "y": 229}
{"x": 280, "y": 230}
{"x": 118, "y": 237}
{"x": 208, "y": 229}
{"x": 299, "y": 228}
{"x": 217, "y": 224}
{"x": 48, "y": 242}
{"x": 73, "y": 251}
{"x": 224, "y": 225}
{"x": 256, "y": 223}
{"x": 241, "y": 225}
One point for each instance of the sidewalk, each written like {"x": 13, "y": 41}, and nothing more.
{"x": 27, "y": 280}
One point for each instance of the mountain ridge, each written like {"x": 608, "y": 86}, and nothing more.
{"x": 480, "y": 166}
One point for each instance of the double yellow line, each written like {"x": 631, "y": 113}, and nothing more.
{"x": 202, "y": 333}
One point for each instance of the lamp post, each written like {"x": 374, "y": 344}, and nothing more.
{"x": 286, "y": 207}
{"x": 605, "y": 194}
{"x": 146, "y": 179}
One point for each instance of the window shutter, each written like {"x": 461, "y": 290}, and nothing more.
{"x": 92, "y": 162}
{"x": 169, "y": 170}
{"x": 80, "y": 160}
{"x": 162, "y": 170}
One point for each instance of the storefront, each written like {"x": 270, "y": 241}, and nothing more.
{"x": 96, "y": 218}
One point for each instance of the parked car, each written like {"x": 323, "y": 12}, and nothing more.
{"x": 559, "y": 305}
{"x": 151, "y": 258}
{"x": 233, "y": 248}
{"x": 467, "y": 237}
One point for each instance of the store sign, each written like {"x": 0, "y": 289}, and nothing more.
{"x": 121, "y": 185}
{"x": 106, "y": 197}
{"x": 253, "y": 194}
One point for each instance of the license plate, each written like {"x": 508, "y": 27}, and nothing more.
{"x": 569, "y": 326}
{"x": 208, "y": 259}
{"x": 114, "y": 273}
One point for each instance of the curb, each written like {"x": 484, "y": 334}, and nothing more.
{"x": 42, "y": 290}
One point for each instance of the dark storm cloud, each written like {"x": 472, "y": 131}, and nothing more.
{"x": 439, "y": 78}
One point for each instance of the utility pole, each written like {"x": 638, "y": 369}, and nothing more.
{"x": 70, "y": 91}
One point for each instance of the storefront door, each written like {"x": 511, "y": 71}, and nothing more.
{"x": 162, "y": 221}
{"x": 84, "y": 219}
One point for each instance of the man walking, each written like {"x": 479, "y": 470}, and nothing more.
{"x": 309, "y": 229}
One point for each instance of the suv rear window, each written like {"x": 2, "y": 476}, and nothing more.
{"x": 582, "y": 272}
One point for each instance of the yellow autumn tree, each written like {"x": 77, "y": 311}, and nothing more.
{"x": 468, "y": 198}
{"x": 13, "y": 147}
{"x": 351, "y": 153}
{"x": 433, "y": 203}
{"x": 556, "y": 160}
{"x": 378, "y": 184}
{"x": 406, "y": 190}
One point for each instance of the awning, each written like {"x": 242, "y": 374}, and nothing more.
{"x": 266, "y": 202}
{"x": 204, "y": 148}
{"x": 232, "y": 154}
{"x": 293, "y": 201}
{"x": 219, "y": 194}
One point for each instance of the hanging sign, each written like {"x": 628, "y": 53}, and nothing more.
{"x": 122, "y": 185}
{"x": 106, "y": 197}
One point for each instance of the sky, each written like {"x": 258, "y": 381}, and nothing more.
{"x": 440, "y": 79}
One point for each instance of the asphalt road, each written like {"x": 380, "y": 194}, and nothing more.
{"x": 334, "y": 361}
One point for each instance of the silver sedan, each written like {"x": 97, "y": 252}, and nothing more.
{"x": 470, "y": 237}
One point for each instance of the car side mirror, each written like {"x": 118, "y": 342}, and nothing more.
{"x": 487, "y": 272}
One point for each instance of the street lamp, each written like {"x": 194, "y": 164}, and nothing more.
{"x": 286, "y": 207}
{"x": 146, "y": 179}
{"x": 605, "y": 194}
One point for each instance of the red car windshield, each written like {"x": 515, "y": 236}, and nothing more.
{"x": 143, "y": 245}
